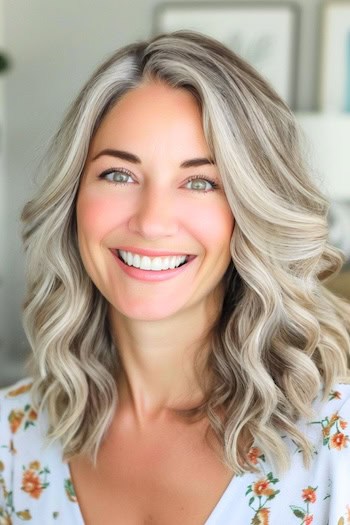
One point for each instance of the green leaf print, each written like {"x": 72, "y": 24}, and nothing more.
{"x": 68, "y": 485}
{"x": 298, "y": 512}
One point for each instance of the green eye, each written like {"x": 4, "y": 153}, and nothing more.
{"x": 199, "y": 184}
{"x": 119, "y": 176}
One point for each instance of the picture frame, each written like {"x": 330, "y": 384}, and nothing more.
{"x": 266, "y": 34}
{"x": 334, "y": 78}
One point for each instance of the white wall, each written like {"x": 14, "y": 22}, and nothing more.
{"x": 54, "y": 47}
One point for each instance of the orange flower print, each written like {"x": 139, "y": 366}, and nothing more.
{"x": 329, "y": 423}
{"x": 303, "y": 513}
{"x": 15, "y": 419}
{"x": 253, "y": 455}
{"x": 309, "y": 495}
{"x": 34, "y": 479}
{"x": 7, "y": 506}
{"x": 325, "y": 431}
{"x": 262, "y": 488}
{"x": 32, "y": 415}
{"x": 334, "y": 394}
{"x": 331, "y": 431}
{"x": 260, "y": 493}
{"x": 339, "y": 441}
{"x": 31, "y": 484}
{"x": 20, "y": 390}
{"x": 20, "y": 417}
{"x": 263, "y": 517}
{"x": 343, "y": 424}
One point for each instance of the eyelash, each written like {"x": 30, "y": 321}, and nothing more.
{"x": 102, "y": 176}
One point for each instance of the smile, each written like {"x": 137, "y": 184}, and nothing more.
{"x": 144, "y": 262}
{"x": 153, "y": 275}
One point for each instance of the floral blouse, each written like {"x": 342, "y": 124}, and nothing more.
{"x": 35, "y": 483}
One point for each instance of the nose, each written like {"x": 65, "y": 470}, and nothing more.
{"x": 155, "y": 216}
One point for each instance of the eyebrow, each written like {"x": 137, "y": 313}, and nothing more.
{"x": 130, "y": 157}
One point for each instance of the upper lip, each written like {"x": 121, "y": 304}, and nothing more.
{"x": 150, "y": 253}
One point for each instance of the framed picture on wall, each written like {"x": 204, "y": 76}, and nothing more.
{"x": 334, "y": 82}
{"x": 263, "y": 33}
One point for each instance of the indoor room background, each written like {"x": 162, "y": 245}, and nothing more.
{"x": 53, "y": 47}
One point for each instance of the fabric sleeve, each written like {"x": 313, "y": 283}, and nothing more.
{"x": 6, "y": 460}
{"x": 340, "y": 467}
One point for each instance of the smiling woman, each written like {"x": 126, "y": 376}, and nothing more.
{"x": 188, "y": 365}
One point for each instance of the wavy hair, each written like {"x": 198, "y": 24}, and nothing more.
{"x": 280, "y": 338}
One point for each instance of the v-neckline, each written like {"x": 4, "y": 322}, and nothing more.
{"x": 209, "y": 521}
{"x": 221, "y": 503}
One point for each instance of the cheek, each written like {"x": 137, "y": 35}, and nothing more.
{"x": 214, "y": 224}
{"x": 97, "y": 215}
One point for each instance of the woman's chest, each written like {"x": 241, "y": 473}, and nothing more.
{"x": 159, "y": 477}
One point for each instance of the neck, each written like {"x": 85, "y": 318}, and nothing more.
{"x": 160, "y": 372}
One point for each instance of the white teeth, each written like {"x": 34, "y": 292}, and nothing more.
{"x": 129, "y": 258}
{"x": 151, "y": 263}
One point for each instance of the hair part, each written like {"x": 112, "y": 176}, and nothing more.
{"x": 280, "y": 336}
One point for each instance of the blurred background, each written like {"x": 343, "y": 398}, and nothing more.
{"x": 49, "y": 49}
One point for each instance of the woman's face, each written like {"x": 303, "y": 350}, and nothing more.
{"x": 136, "y": 195}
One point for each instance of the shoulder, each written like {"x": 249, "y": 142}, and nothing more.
{"x": 21, "y": 429}
{"x": 17, "y": 417}
{"x": 14, "y": 401}
{"x": 16, "y": 413}
{"x": 331, "y": 421}
{"x": 330, "y": 431}
{"x": 16, "y": 407}
{"x": 34, "y": 481}
{"x": 334, "y": 410}
{"x": 339, "y": 396}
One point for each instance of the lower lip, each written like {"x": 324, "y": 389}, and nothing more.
{"x": 151, "y": 275}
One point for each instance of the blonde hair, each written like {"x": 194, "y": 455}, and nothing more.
{"x": 280, "y": 336}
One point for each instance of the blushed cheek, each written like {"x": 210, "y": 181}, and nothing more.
{"x": 96, "y": 217}
{"x": 216, "y": 224}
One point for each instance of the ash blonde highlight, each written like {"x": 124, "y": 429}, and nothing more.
{"x": 280, "y": 336}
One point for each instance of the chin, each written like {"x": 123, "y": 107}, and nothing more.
{"x": 145, "y": 311}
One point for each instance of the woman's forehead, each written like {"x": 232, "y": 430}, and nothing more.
{"x": 154, "y": 117}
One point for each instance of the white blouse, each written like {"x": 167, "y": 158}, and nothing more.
{"x": 36, "y": 486}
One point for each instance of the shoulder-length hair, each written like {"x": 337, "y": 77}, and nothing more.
{"x": 280, "y": 337}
